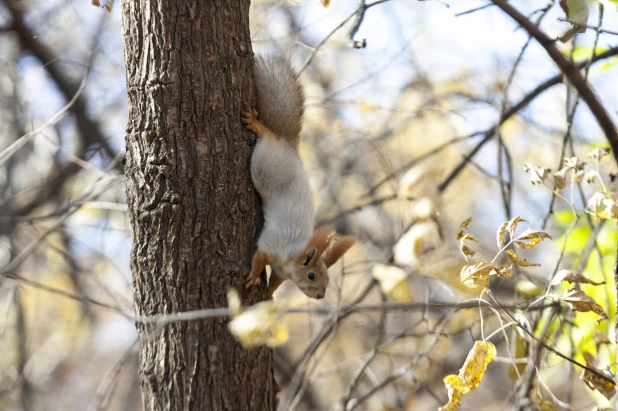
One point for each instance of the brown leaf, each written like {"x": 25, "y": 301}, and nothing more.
{"x": 577, "y": 300}
{"x": 505, "y": 271}
{"x": 467, "y": 251}
{"x": 595, "y": 382}
{"x": 595, "y": 202}
{"x": 522, "y": 262}
{"x": 598, "y": 153}
{"x": 611, "y": 209}
{"x": 601, "y": 338}
{"x": 476, "y": 275}
{"x": 325, "y": 3}
{"x": 531, "y": 238}
{"x": 463, "y": 227}
{"x": 572, "y": 277}
{"x": 545, "y": 405}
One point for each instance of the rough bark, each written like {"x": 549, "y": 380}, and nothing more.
{"x": 193, "y": 210}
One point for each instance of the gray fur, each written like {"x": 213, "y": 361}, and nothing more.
{"x": 280, "y": 97}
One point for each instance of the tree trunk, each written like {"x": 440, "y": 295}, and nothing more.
{"x": 193, "y": 210}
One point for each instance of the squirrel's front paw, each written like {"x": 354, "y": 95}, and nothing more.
{"x": 253, "y": 280}
{"x": 250, "y": 119}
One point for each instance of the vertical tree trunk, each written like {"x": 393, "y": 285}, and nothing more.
{"x": 193, "y": 210}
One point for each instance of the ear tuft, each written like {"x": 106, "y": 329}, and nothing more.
{"x": 309, "y": 255}
{"x": 339, "y": 248}
{"x": 321, "y": 238}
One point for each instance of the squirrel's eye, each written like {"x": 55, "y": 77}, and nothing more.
{"x": 311, "y": 276}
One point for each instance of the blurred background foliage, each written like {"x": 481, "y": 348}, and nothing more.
{"x": 385, "y": 128}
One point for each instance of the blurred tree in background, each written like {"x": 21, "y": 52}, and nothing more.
{"x": 420, "y": 114}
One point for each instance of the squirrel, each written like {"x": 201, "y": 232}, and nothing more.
{"x": 287, "y": 242}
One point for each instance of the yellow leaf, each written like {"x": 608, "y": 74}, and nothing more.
{"x": 325, "y": 3}
{"x": 573, "y": 163}
{"x": 476, "y": 275}
{"x": 467, "y": 251}
{"x": 531, "y": 238}
{"x": 463, "y": 227}
{"x": 577, "y": 300}
{"x": 393, "y": 282}
{"x": 591, "y": 176}
{"x": 545, "y": 405}
{"x": 470, "y": 375}
{"x": 500, "y": 235}
{"x": 572, "y": 277}
{"x": 512, "y": 225}
{"x": 257, "y": 326}
{"x": 505, "y": 271}
{"x": 522, "y": 262}
{"x": 595, "y": 382}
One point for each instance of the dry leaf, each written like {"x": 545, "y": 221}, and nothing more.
{"x": 611, "y": 209}
{"x": 107, "y": 6}
{"x": 574, "y": 163}
{"x": 537, "y": 174}
{"x": 505, "y": 271}
{"x": 512, "y": 225}
{"x": 595, "y": 382}
{"x": 522, "y": 262}
{"x": 598, "y": 153}
{"x": 560, "y": 179}
{"x": 591, "y": 176}
{"x": 476, "y": 275}
{"x": 578, "y": 175}
{"x": 531, "y": 238}
{"x": 545, "y": 405}
{"x": 595, "y": 202}
{"x": 500, "y": 235}
{"x": 325, "y": 3}
{"x": 572, "y": 277}
{"x": 470, "y": 374}
{"x": 259, "y": 325}
{"x": 577, "y": 12}
{"x": 467, "y": 251}
{"x": 463, "y": 227}
{"x": 393, "y": 282}
{"x": 577, "y": 300}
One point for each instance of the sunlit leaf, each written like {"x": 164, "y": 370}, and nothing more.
{"x": 463, "y": 227}
{"x": 393, "y": 282}
{"x": 607, "y": 387}
{"x": 520, "y": 349}
{"x": 578, "y": 175}
{"x": 512, "y": 225}
{"x": 573, "y": 163}
{"x": 576, "y": 12}
{"x": 611, "y": 209}
{"x": 572, "y": 277}
{"x": 598, "y": 153}
{"x": 577, "y": 300}
{"x": 538, "y": 175}
{"x": 476, "y": 275}
{"x": 531, "y": 238}
{"x": 595, "y": 202}
{"x": 505, "y": 270}
{"x": 259, "y": 325}
{"x": 467, "y": 251}
{"x": 522, "y": 262}
{"x": 500, "y": 235}
{"x": 470, "y": 375}
{"x": 560, "y": 179}
{"x": 325, "y": 3}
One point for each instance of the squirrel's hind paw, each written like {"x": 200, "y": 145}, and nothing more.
{"x": 250, "y": 119}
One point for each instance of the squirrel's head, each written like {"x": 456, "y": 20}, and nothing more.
{"x": 311, "y": 267}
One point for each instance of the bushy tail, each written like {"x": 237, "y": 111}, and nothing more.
{"x": 280, "y": 96}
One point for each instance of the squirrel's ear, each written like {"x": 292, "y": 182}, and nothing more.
{"x": 309, "y": 255}
{"x": 339, "y": 248}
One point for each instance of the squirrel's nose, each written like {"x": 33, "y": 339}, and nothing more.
{"x": 319, "y": 296}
